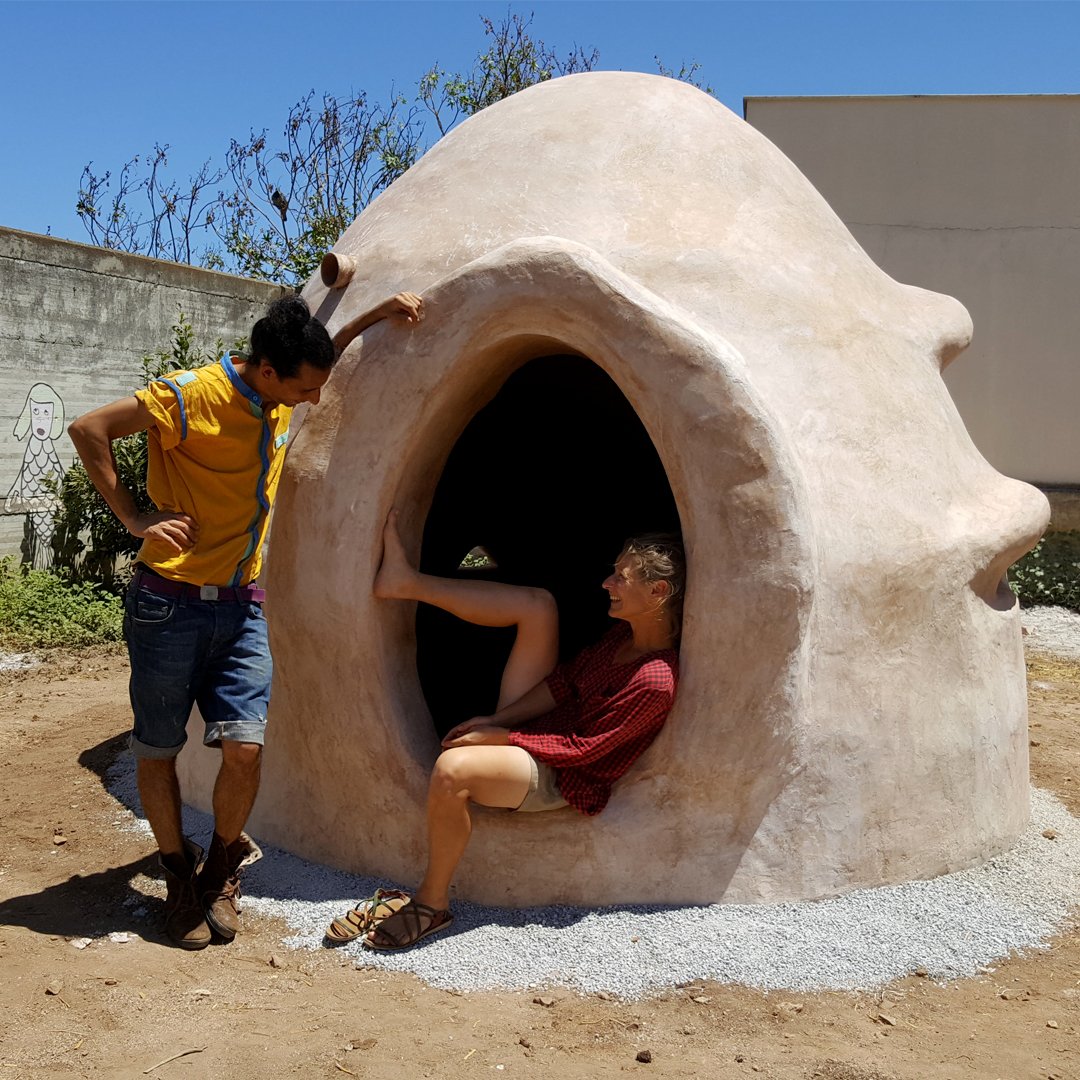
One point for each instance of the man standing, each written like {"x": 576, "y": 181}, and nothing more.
{"x": 193, "y": 614}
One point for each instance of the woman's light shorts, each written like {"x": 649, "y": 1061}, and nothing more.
{"x": 543, "y": 791}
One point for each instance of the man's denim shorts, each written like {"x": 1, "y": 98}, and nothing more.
{"x": 185, "y": 651}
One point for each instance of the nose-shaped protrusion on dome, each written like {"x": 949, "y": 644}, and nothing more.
{"x": 1017, "y": 530}
{"x": 953, "y": 327}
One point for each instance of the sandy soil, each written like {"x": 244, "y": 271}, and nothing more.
{"x": 120, "y": 1008}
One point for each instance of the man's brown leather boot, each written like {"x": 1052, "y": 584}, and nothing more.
{"x": 218, "y": 883}
{"x": 185, "y": 923}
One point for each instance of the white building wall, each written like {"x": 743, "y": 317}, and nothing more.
{"x": 977, "y": 197}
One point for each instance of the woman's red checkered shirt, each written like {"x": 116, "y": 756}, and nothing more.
{"x": 605, "y": 715}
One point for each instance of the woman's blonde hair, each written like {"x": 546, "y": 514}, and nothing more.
{"x": 660, "y": 557}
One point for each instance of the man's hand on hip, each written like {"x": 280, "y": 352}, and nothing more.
{"x": 177, "y": 530}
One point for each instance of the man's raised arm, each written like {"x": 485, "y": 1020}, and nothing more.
{"x": 404, "y": 305}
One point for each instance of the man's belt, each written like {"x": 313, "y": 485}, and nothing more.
{"x": 237, "y": 594}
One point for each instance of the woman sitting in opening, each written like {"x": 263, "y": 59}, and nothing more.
{"x": 560, "y": 736}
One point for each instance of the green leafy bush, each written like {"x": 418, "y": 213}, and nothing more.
{"x": 1050, "y": 573}
{"x": 39, "y": 610}
{"x": 89, "y": 543}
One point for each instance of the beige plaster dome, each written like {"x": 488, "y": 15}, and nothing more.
{"x": 637, "y": 307}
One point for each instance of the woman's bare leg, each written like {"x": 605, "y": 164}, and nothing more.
{"x": 486, "y": 603}
{"x": 489, "y": 775}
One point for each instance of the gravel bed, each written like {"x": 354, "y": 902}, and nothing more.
{"x": 950, "y": 927}
{"x": 953, "y": 926}
{"x": 15, "y": 661}
{"x": 1052, "y": 630}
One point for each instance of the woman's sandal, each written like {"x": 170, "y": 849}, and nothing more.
{"x": 366, "y": 915}
{"x": 405, "y": 927}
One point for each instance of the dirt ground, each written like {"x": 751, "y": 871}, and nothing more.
{"x": 131, "y": 1008}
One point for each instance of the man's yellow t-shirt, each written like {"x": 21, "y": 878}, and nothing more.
{"x": 215, "y": 454}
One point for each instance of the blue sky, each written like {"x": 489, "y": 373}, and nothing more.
{"x": 101, "y": 82}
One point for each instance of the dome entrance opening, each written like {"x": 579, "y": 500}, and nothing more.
{"x": 542, "y": 488}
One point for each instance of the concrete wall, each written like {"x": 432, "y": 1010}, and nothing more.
{"x": 74, "y": 322}
{"x": 975, "y": 197}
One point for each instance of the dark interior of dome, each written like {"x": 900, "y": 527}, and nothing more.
{"x": 548, "y": 479}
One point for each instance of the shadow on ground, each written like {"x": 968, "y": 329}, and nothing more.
{"x": 90, "y": 905}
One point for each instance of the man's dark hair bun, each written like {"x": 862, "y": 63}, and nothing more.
{"x": 287, "y": 336}
{"x": 289, "y": 315}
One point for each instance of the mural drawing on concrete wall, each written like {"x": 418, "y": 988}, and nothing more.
{"x": 40, "y": 423}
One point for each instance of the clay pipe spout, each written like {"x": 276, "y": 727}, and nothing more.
{"x": 336, "y": 271}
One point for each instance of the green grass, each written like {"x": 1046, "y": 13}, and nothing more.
{"x": 1050, "y": 574}
{"x": 38, "y": 610}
